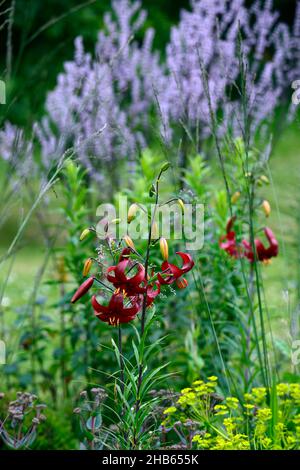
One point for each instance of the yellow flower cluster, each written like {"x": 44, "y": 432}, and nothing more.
{"x": 295, "y": 393}
{"x": 200, "y": 389}
{"x": 232, "y": 424}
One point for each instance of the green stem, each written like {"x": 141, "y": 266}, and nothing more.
{"x": 144, "y": 308}
{"x": 122, "y": 377}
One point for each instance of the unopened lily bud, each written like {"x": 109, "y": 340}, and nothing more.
{"x": 181, "y": 204}
{"x": 83, "y": 289}
{"x": 154, "y": 231}
{"x": 230, "y": 224}
{"x": 266, "y": 208}
{"x": 264, "y": 179}
{"x": 84, "y": 234}
{"x": 87, "y": 267}
{"x": 181, "y": 283}
{"x": 164, "y": 249}
{"x": 129, "y": 242}
{"x": 132, "y": 212}
{"x": 152, "y": 190}
{"x": 235, "y": 197}
{"x": 165, "y": 167}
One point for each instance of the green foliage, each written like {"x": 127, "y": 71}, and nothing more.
{"x": 220, "y": 325}
{"x": 57, "y": 432}
{"x": 43, "y": 35}
{"x": 262, "y": 420}
{"x": 196, "y": 177}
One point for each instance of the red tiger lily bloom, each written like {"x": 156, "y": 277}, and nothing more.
{"x": 248, "y": 252}
{"x": 83, "y": 289}
{"x": 120, "y": 280}
{"x": 230, "y": 245}
{"x": 263, "y": 253}
{"x": 152, "y": 293}
{"x": 125, "y": 254}
{"x": 173, "y": 272}
{"x": 115, "y": 313}
{"x": 229, "y": 225}
{"x": 245, "y": 250}
{"x": 228, "y": 242}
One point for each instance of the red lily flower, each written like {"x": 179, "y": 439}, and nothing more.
{"x": 230, "y": 245}
{"x": 83, "y": 289}
{"x": 263, "y": 253}
{"x": 125, "y": 254}
{"x": 130, "y": 285}
{"x": 228, "y": 242}
{"x": 229, "y": 225}
{"x": 115, "y": 313}
{"x": 172, "y": 271}
{"x": 152, "y": 293}
{"x": 248, "y": 252}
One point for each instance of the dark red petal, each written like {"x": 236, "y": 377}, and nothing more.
{"x": 164, "y": 281}
{"x": 139, "y": 276}
{"x": 116, "y": 304}
{"x": 248, "y": 252}
{"x": 103, "y": 317}
{"x": 131, "y": 311}
{"x": 227, "y": 245}
{"x": 120, "y": 270}
{"x": 125, "y": 254}
{"x": 230, "y": 224}
{"x": 264, "y": 253}
{"x": 165, "y": 266}
{"x": 269, "y": 234}
{"x": 109, "y": 277}
{"x": 83, "y": 289}
{"x": 188, "y": 262}
{"x": 174, "y": 271}
{"x": 274, "y": 247}
{"x": 230, "y": 236}
{"x": 273, "y": 251}
{"x": 152, "y": 293}
{"x": 164, "y": 277}
{"x": 260, "y": 250}
{"x": 98, "y": 308}
{"x": 135, "y": 280}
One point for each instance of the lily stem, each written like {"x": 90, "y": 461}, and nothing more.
{"x": 143, "y": 318}
{"x": 121, "y": 359}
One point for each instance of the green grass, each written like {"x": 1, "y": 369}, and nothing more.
{"x": 283, "y": 195}
{"x": 26, "y": 265}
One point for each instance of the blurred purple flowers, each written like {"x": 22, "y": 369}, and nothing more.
{"x": 209, "y": 36}
{"x": 16, "y": 150}
{"x": 101, "y": 105}
{"x": 109, "y": 105}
